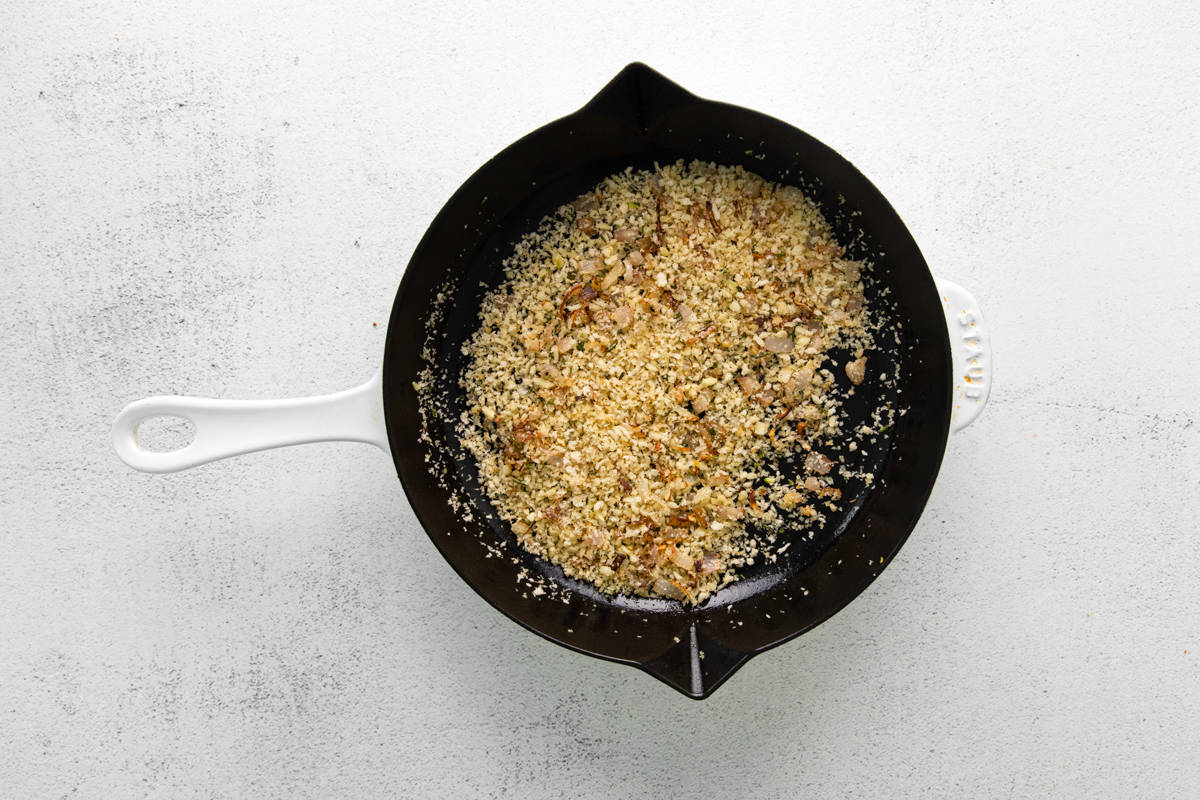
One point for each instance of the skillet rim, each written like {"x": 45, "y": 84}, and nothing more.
{"x": 698, "y": 689}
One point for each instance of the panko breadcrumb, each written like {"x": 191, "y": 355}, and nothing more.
{"x": 656, "y": 347}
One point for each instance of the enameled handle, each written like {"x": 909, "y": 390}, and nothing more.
{"x": 971, "y": 353}
{"x": 226, "y": 428}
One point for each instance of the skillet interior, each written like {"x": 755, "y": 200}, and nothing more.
{"x": 639, "y": 118}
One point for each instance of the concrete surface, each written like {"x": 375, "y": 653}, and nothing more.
{"x": 219, "y": 199}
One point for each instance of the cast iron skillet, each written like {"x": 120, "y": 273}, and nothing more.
{"x": 637, "y": 119}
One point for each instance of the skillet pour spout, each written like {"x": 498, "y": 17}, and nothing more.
{"x": 942, "y": 376}
{"x": 696, "y": 665}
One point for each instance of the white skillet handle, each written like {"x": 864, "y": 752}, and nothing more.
{"x": 226, "y": 428}
{"x": 970, "y": 352}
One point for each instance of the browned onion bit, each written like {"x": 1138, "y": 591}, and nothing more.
{"x": 587, "y": 225}
{"x": 712, "y": 219}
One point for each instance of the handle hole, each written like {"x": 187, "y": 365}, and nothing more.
{"x": 164, "y": 434}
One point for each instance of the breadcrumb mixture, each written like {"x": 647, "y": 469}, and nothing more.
{"x": 656, "y": 348}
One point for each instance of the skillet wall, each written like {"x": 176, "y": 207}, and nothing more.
{"x": 638, "y": 118}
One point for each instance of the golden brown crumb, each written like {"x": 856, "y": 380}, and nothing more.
{"x": 655, "y": 344}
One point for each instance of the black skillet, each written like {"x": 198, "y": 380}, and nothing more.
{"x": 637, "y": 119}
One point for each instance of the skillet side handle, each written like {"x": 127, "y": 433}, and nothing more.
{"x": 970, "y": 351}
{"x": 225, "y": 428}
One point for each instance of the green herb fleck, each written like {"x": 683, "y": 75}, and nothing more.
{"x": 579, "y": 346}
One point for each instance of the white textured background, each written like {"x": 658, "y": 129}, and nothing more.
{"x": 219, "y": 199}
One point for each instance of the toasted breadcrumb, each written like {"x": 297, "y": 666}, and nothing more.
{"x": 655, "y": 347}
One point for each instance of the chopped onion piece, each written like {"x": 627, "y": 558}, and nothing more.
{"x": 779, "y": 344}
{"x": 614, "y": 274}
{"x": 681, "y": 559}
{"x": 587, "y": 225}
{"x": 665, "y": 588}
{"x": 818, "y": 463}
